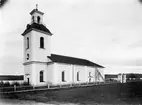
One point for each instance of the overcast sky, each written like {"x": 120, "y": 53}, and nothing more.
{"x": 107, "y": 32}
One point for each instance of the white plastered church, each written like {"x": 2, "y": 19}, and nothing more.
{"x": 41, "y": 67}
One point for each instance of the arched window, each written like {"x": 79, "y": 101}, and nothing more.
{"x": 27, "y": 43}
{"x": 63, "y": 76}
{"x": 89, "y": 74}
{"x": 28, "y": 81}
{"x": 33, "y": 19}
{"x": 41, "y": 42}
{"x": 28, "y": 56}
{"x": 38, "y": 19}
{"x": 77, "y": 76}
{"x": 89, "y": 79}
{"x": 41, "y": 76}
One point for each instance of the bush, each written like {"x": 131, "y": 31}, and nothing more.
{"x": 1, "y": 84}
{"x": 6, "y": 84}
{"x": 24, "y": 84}
{"x": 15, "y": 83}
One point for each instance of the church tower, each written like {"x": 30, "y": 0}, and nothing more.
{"x": 36, "y": 48}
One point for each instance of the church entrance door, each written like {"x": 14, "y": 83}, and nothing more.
{"x": 28, "y": 80}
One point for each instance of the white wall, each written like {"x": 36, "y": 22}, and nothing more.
{"x": 40, "y": 54}
{"x": 28, "y": 73}
{"x": 102, "y": 77}
{"x": 50, "y": 73}
{"x": 82, "y": 73}
{"x": 35, "y": 52}
{"x": 35, "y": 17}
{"x": 53, "y": 73}
{"x": 67, "y": 68}
{"x": 71, "y": 73}
{"x": 92, "y": 73}
{"x": 34, "y": 73}
{"x": 29, "y": 51}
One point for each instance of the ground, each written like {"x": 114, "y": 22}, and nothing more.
{"x": 128, "y": 93}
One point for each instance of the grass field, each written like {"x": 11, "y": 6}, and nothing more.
{"x": 128, "y": 93}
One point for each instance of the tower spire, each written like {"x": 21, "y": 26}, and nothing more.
{"x": 36, "y": 6}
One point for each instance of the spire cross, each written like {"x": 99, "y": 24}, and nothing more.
{"x": 36, "y": 6}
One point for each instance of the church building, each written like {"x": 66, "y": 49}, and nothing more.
{"x": 41, "y": 67}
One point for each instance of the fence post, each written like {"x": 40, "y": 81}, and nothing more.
{"x": 33, "y": 87}
{"x": 14, "y": 87}
{"x": 79, "y": 84}
{"x": 48, "y": 86}
{"x": 71, "y": 85}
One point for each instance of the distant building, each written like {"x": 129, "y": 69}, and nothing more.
{"x": 41, "y": 67}
{"x": 115, "y": 78}
{"x": 111, "y": 77}
{"x": 11, "y": 78}
{"x": 123, "y": 77}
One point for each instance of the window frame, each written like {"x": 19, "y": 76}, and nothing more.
{"x": 42, "y": 42}
{"x": 63, "y": 76}
{"x": 41, "y": 76}
{"x": 27, "y": 56}
{"x": 89, "y": 74}
{"x": 27, "y": 43}
{"x": 78, "y": 76}
{"x": 38, "y": 19}
{"x": 90, "y": 77}
{"x": 33, "y": 19}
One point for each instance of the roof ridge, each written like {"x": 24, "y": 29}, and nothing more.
{"x": 72, "y": 60}
{"x": 68, "y": 56}
{"x": 40, "y": 27}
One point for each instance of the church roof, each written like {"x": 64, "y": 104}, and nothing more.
{"x": 36, "y": 10}
{"x": 37, "y": 26}
{"x": 72, "y": 60}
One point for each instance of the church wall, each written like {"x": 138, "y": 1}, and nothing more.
{"x": 102, "y": 73}
{"x": 90, "y": 74}
{"x": 82, "y": 73}
{"x": 29, "y": 50}
{"x": 28, "y": 73}
{"x": 86, "y": 73}
{"x": 67, "y": 68}
{"x": 40, "y": 54}
{"x": 50, "y": 73}
{"x": 35, "y": 17}
{"x": 37, "y": 67}
{"x": 34, "y": 73}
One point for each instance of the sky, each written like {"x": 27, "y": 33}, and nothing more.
{"x": 107, "y": 32}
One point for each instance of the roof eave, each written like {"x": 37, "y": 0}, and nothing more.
{"x": 36, "y": 30}
{"x": 99, "y": 66}
{"x": 36, "y": 10}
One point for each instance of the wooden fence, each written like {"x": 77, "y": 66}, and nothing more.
{"x": 14, "y": 89}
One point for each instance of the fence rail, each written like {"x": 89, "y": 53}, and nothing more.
{"x": 14, "y": 89}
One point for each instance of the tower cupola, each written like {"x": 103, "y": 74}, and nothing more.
{"x": 36, "y": 16}
{"x": 36, "y": 22}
